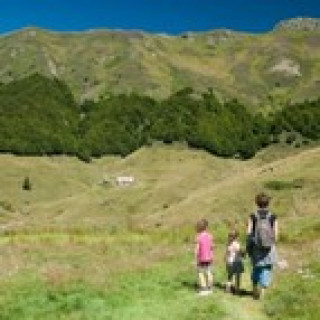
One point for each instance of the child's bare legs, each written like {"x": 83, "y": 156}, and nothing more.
{"x": 202, "y": 280}
{"x": 209, "y": 279}
{"x": 237, "y": 282}
{"x": 205, "y": 279}
{"x": 260, "y": 279}
{"x": 229, "y": 279}
{"x": 258, "y": 291}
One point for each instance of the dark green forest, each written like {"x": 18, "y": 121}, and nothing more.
{"x": 39, "y": 116}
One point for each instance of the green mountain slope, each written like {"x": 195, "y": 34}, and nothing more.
{"x": 279, "y": 65}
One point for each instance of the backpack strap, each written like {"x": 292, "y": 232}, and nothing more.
{"x": 269, "y": 215}
{"x": 272, "y": 219}
{"x": 253, "y": 223}
{"x": 254, "y": 219}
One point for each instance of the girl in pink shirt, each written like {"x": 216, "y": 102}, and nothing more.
{"x": 204, "y": 257}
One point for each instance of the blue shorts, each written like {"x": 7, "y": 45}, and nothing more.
{"x": 261, "y": 276}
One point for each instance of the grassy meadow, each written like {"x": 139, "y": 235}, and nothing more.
{"x": 77, "y": 246}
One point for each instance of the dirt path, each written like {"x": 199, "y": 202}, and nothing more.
{"x": 240, "y": 307}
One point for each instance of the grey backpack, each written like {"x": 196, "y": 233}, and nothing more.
{"x": 264, "y": 232}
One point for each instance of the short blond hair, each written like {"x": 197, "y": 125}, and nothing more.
{"x": 233, "y": 235}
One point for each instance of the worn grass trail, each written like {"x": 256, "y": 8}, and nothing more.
{"x": 167, "y": 291}
{"x": 152, "y": 291}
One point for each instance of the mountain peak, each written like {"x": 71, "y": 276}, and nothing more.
{"x": 299, "y": 24}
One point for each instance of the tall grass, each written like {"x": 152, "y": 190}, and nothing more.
{"x": 296, "y": 296}
{"x": 163, "y": 292}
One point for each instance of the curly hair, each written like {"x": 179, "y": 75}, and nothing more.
{"x": 262, "y": 200}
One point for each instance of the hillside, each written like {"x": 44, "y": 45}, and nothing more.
{"x": 277, "y": 66}
{"x": 76, "y": 248}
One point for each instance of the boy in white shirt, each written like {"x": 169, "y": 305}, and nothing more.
{"x": 234, "y": 264}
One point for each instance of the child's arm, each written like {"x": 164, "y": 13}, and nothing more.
{"x": 238, "y": 249}
{"x": 276, "y": 230}
{"x": 241, "y": 252}
{"x": 249, "y": 226}
{"x": 226, "y": 256}
{"x": 212, "y": 244}
{"x": 196, "y": 251}
{"x": 212, "y": 247}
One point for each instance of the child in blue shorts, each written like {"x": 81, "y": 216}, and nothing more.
{"x": 262, "y": 229}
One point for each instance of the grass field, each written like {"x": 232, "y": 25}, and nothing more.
{"x": 76, "y": 248}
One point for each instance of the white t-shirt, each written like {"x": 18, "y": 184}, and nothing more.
{"x": 233, "y": 252}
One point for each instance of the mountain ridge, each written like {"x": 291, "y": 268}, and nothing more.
{"x": 96, "y": 62}
{"x": 300, "y": 23}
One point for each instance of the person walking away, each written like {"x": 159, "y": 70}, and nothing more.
{"x": 262, "y": 233}
{"x": 204, "y": 257}
{"x": 234, "y": 263}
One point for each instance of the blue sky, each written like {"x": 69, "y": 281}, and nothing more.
{"x": 167, "y": 16}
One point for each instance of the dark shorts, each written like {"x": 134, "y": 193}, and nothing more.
{"x": 204, "y": 266}
{"x": 234, "y": 268}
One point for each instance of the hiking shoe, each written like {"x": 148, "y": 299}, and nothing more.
{"x": 209, "y": 291}
{"x": 256, "y": 294}
{"x": 228, "y": 289}
{"x": 204, "y": 292}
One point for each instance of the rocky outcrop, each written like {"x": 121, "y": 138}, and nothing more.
{"x": 287, "y": 67}
{"x": 300, "y": 24}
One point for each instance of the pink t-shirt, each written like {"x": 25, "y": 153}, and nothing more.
{"x": 204, "y": 247}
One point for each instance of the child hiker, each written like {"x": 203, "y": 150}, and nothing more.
{"x": 204, "y": 257}
{"x": 262, "y": 234}
{"x": 234, "y": 264}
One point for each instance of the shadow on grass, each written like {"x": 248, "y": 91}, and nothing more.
{"x": 190, "y": 285}
{"x": 193, "y": 286}
{"x": 240, "y": 293}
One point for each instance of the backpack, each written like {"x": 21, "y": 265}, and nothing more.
{"x": 264, "y": 236}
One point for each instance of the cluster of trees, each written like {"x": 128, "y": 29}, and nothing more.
{"x": 123, "y": 123}
{"x": 40, "y": 116}
{"x": 302, "y": 118}
{"x": 37, "y": 116}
